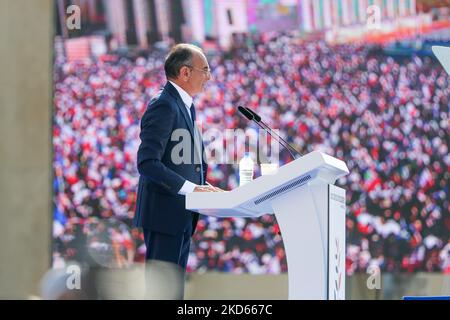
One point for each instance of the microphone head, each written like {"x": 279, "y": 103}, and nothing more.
{"x": 253, "y": 113}
{"x": 246, "y": 113}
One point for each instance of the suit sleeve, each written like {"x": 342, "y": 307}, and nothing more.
{"x": 156, "y": 129}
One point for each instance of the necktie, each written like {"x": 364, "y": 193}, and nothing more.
{"x": 192, "y": 109}
{"x": 193, "y": 114}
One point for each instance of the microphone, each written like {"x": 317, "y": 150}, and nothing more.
{"x": 252, "y": 116}
{"x": 257, "y": 118}
{"x": 246, "y": 114}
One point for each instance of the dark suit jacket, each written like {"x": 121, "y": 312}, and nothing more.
{"x": 159, "y": 207}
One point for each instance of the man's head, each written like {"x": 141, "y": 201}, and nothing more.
{"x": 186, "y": 65}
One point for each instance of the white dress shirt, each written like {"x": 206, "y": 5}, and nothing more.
{"x": 188, "y": 186}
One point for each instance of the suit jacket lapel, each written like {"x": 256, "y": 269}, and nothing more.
{"x": 182, "y": 107}
{"x": 195, "y": 132}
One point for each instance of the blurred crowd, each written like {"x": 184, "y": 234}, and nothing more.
{"x": 386, "y": 118}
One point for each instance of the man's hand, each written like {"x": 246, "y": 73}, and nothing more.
{"x": 207, "y": 189}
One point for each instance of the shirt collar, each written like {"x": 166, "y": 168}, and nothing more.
{"x": 187, "y": 99}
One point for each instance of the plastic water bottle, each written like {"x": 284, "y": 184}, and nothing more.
{"x": 246, "y": 167}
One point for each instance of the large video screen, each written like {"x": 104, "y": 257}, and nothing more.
{"x": 354, "y": 79}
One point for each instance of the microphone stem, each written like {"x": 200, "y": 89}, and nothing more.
{"x": 277, "y": 137}
{"x": 286, "y": 144}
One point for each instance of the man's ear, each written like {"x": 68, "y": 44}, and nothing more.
{"x": 185, "y": 73}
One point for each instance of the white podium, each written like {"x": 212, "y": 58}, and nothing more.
{"x": 310, "y": 211}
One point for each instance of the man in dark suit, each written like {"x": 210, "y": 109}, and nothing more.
{"x": 168, "y": 168}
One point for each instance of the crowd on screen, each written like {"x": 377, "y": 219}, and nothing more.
{"x": 386, "y": 117}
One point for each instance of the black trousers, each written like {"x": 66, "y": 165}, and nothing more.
{"x": 166, "y": 257}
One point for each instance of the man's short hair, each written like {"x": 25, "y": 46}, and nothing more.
{"x": 179, "y": 56}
